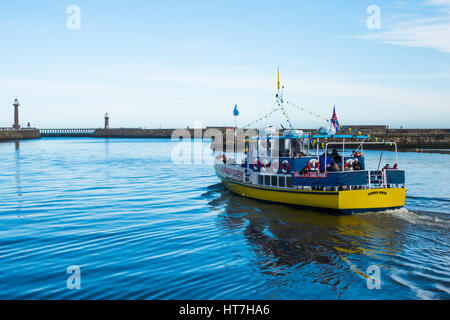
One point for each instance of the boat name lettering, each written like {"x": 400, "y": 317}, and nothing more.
{"x": 232, "y": 173}
{"x": 376, "y": 192}
{"x": 310, "y": 175}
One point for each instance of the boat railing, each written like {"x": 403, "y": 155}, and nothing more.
{"x": 373, "y": 178}
{"x": 343, "y": 143}
{"x": 338, "y": 180}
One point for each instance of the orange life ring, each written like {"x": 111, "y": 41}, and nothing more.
{"x": 275, "y": 166}
{"x": 315, "y": 166}
{"x": 349, "y": 162}
{"x": 256, "y": 164}
{"x": 265, "y": 164}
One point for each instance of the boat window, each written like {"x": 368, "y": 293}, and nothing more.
{"x": 296, "y": 147}
{"x": 274, "y": 181}
{"x": 261, "y": 179}
{"x": 289, "y": 182}
{"x": 284, "y": 148}
{"x": 286, "y": 143}
{"x": 267, "y": 180}
{"x": 282, "y": 181}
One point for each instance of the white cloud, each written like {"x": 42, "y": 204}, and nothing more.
{"x": 439, "y": 2}
{"x": 423, "y": 33}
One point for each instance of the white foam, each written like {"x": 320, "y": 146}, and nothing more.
{"x": 412, "y": 217}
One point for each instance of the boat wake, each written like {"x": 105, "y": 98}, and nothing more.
{"x": 415, "y": 218}
{"x": 428, "y": 198}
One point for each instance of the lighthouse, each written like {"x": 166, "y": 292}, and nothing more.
{"x": 16, "y": 105}
{"x": 106, "y": 121}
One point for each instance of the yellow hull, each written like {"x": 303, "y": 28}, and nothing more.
{"x": 344, "y": 201}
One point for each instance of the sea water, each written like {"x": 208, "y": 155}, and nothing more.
{"x": 135, "y": 225}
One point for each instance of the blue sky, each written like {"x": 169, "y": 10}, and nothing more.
{"x": 171, "y": 63}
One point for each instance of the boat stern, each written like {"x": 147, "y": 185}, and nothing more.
{"x": 366, "y": 200}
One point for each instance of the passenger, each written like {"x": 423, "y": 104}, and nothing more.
{"x": 357, "y": 165}
{"x": 221, "y": 158}
{"x": 336, "y": 157}
{"x": 304, "y": 170}
{"x": 395, "y": 166}
{"x": 334, "y": 168}
{"x": 335, "y": 152}
{"x": 386, "y": 166}
{"x": 357, "y": 154}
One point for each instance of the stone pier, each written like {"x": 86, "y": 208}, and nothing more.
{"x": 19, "y": 134}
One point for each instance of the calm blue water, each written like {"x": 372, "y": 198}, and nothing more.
{"x": 140, "y": 227}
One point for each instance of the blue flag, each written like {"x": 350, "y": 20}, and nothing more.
{"x": 235, "y": 111}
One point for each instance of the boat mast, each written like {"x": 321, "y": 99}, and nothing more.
{"x": 279, "y": 101}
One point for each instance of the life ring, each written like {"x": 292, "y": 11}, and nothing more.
{"x": 349, "y": 162}
{"x": 313, "y": 164}
{"x": 265, "y": 164}
{"x": 285, "y": 166}
{"x": 275, "y": 166}
{"x": 256, "y": 164}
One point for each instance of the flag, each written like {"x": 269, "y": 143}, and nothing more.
{"x": 235, "y": 111}
{"x": 278, "y": 83}
{"x": 334, "y": 120}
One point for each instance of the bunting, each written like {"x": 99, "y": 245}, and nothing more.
{"x": 316, "y": 115}
{"x": 371, "y": 138}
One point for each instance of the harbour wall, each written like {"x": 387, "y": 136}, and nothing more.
{"x": 420, "y": 138}
{"x": 405, "y": 138}
{"x": 132, "y": 133}
{"x": 19, "y": 134}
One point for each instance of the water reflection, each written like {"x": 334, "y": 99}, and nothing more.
{"x": 329, "y": 248}
{"x": 18, "y": 178}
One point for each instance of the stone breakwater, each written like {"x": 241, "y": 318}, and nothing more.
{"x": 420, "y": 138}
{"x": 132, "y": 133}
{"x": 19, "y": 134}
{"x": 405, "y": 138}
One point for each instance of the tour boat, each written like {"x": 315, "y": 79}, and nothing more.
{"x": 286, "y": 168}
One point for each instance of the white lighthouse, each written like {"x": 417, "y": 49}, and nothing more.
{"x": 106, "y": 121}
{"x": 16, "y": 105}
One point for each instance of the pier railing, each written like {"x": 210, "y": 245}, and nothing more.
{"x": 75, "y": 132}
